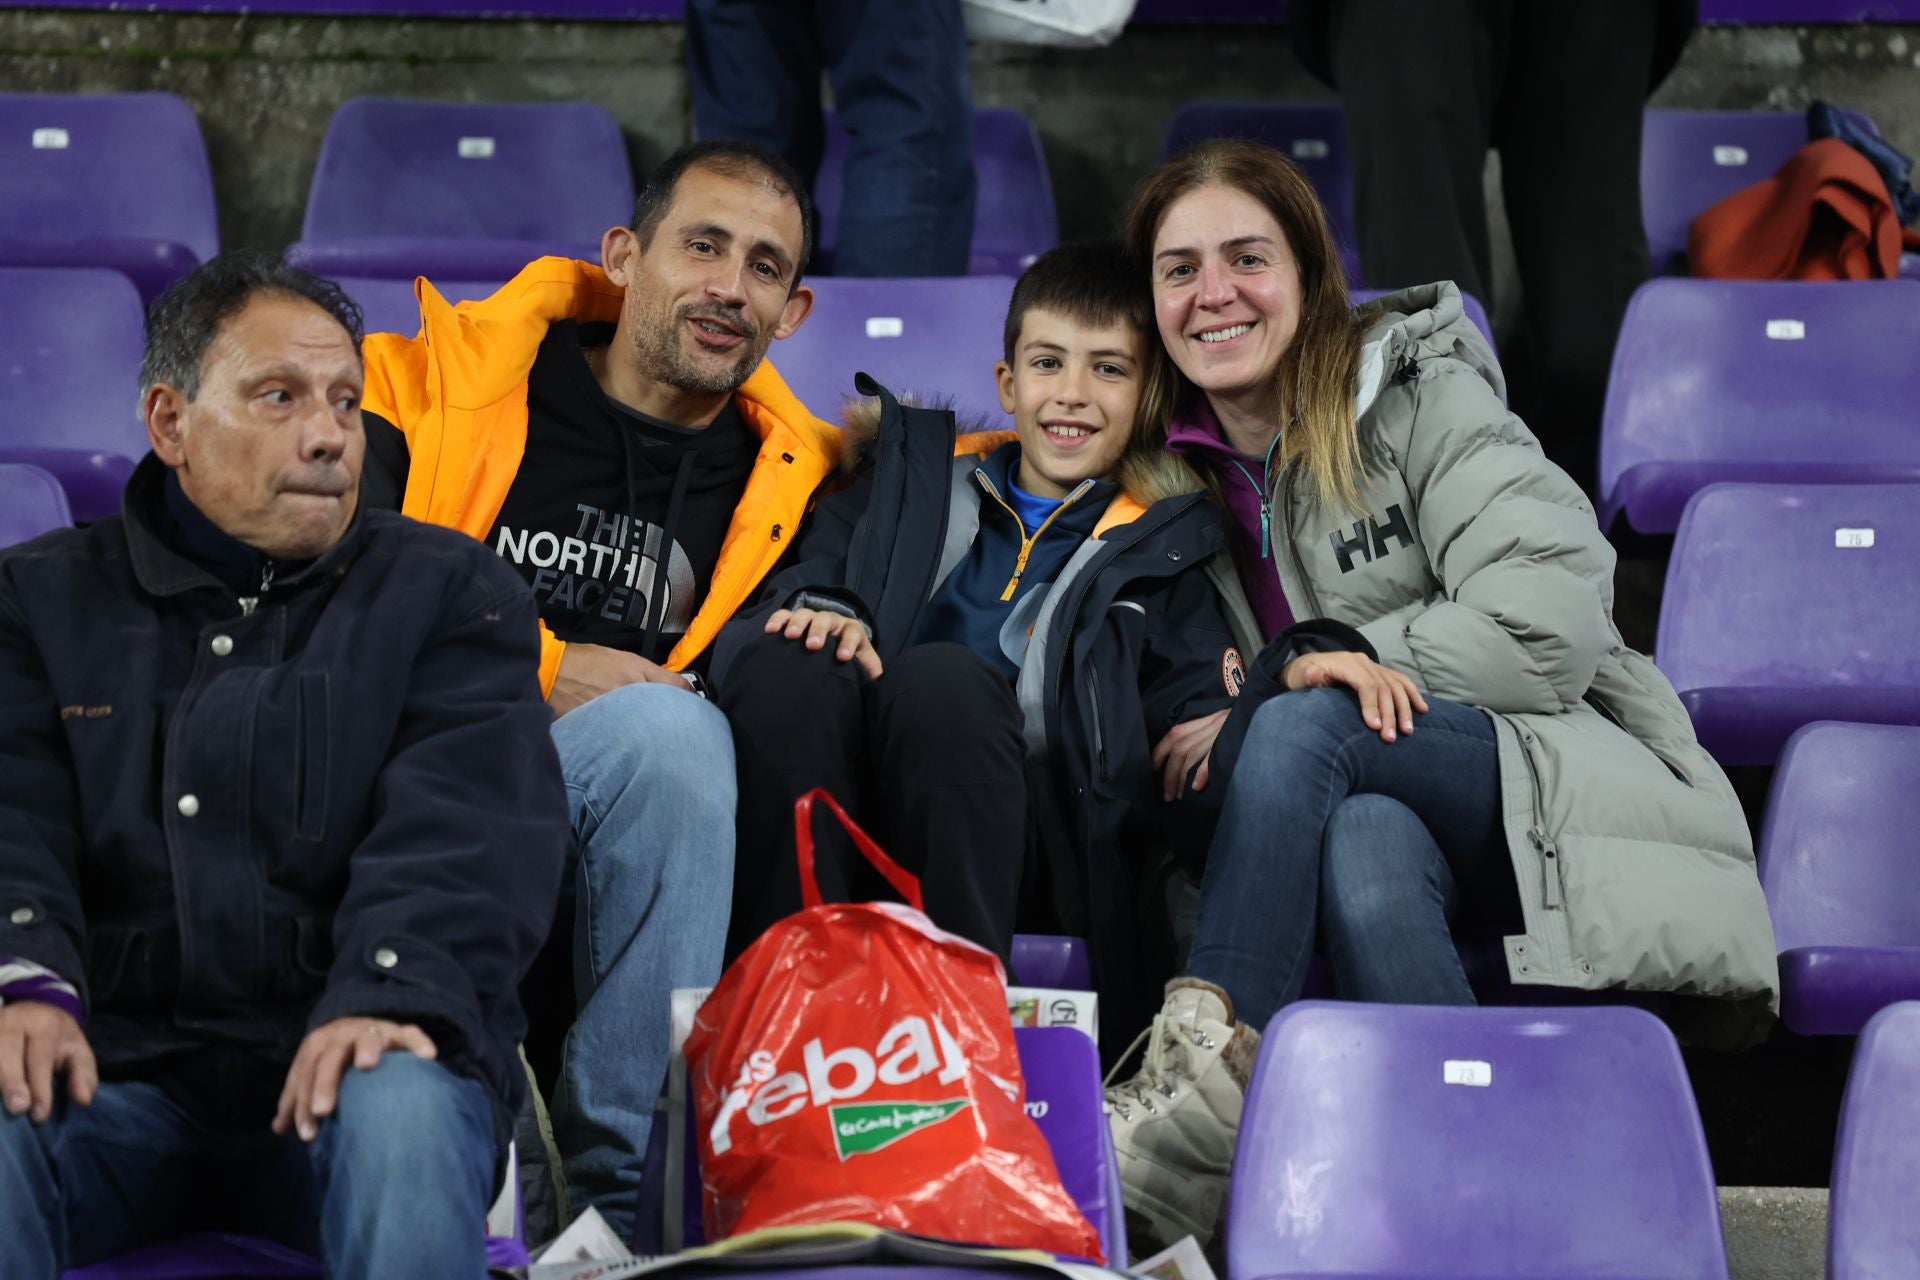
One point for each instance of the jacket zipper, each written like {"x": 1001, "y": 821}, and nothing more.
{"x": 249, "y": 603}
{"x": 1099, "y": 736}
{"x": 1537, "y": 832}
{"x": 1263, "y": 487}
{"x": 1026, "y": 542}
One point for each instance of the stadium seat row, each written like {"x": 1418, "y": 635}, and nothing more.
{"x": 472, "y": 191}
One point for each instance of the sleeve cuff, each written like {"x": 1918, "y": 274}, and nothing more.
{"x": 23, "y": 980}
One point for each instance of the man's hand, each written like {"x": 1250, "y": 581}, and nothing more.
{"x": 1187, "y": 744}
{"x": 1387, "y": 698}
{"x": 313, "y": 1085}
{"x": 589, "y": 670}
{"x": 820, "y": 625}
{"x": 37, "y": 1042}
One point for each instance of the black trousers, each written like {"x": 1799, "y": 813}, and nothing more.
{"x": 928, "y": 759}
{"x": 1428, "y": 86}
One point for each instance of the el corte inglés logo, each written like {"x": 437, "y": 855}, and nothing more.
{"x": 863, "y": 1127}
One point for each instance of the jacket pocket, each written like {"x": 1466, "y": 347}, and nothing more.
{"x": 310, "y": 758}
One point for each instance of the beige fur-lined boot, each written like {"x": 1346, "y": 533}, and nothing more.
{"x": 1174, "y": 1124}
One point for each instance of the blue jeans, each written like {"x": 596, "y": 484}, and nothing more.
{"x": 1374, "y": 846}
{"x": 650, "y": 778}
{"x": 396, "y": 1184}
{"x": 899, "y": 75}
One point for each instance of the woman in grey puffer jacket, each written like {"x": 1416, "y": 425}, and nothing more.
{"x": 1501, "y": 764}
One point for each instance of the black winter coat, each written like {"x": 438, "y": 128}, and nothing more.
{"x": 229, "y": 822}
{"x": 1133, "y": 641}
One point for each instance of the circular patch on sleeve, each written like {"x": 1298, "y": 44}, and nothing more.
{"x": 1233, "y": 672}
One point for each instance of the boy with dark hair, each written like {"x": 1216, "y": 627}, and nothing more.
{"x": 985, "y": 634}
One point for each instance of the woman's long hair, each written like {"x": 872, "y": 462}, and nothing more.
{"x": 1316, "y": 377}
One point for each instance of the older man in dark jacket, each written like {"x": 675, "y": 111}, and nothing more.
{"x": 281, "y": 827}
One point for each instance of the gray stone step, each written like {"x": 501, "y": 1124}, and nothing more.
{"x": 1775, "y": 1233}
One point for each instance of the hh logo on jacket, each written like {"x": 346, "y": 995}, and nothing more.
{"x": 1368, "y": 538}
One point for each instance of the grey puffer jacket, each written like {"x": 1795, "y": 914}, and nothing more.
{"x": 1478, "y": 569}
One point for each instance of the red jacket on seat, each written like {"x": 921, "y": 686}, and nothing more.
{"x": 1825, "y": 215}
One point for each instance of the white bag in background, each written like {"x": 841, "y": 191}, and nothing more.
{"x": 1072, "y": 24}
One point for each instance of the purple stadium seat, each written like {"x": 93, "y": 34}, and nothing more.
{"x": 1757, "y": 380}
{"x": 1312, "y": 134}
{"x": 1051, "y": 960}
{"x": 70, "y": 347}
{"x": 32, "y": 503}
{"x": 931, "y": 339}
{"x": 1013, "y": 215}
{"x": 1690, "y": 160}
{"x": 1475, "y": 312}
{"x": 1873, "y": 1232}
{"x": 105, "y": 180}
{"x": 1787, "y": 604}
{"x": 216, "y": 1257}
{"x": 1837, "y": 862}
{"x": 1416, "y": 1143}
{"x": 468, "y": 191}
{"x": 1061, "y": 1067}
{"x": 388, "y": 306}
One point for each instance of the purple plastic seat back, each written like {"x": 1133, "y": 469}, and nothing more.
{"x": 1690, "y": 160}
{"x": 1468, "y": 303}
{"x": 1051, "y": 960}
{"x": 932, "y": 339}
{"x": 107, "y": 180}
{"x": 70, "y": 348}
{"x": 1873, "y": 1230}
{"x": 1311, "y": 134}
{"x": 31, "y": 503}
{"x": 215, "y": 1257}
{"x": 1757, "y": 380}
{"x": 1837, "y": 860}
{"x": 1014, "y": 220}
{"x": 1503, "y": 1144}
{"x": 1787, "y": 604}
{"x": 388, "y": 306}
{"x": 462, "y": 190}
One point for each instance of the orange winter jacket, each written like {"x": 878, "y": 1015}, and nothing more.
{"x": 458, "y": 392}
{"x": 1825, "y": 215}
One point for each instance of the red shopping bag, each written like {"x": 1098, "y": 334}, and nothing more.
{"x": 857, "y": 1064}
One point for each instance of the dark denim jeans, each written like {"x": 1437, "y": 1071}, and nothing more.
{"x": 899, "y": 76}
{"x": 396, "y": 1184}
{"x": 1375, "y": 848}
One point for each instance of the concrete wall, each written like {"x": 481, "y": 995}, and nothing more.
{"x": 265, "y": 86}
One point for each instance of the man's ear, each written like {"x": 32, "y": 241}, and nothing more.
{"x": 618, "y": 249}
{"x": 1003, "y": 382}
{"x": 165, "y": 411}
{"x": 799, "y": 307}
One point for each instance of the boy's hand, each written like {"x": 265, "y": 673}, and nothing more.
{"x": 1187, "y": 744}
{"x": 817, "y": 626}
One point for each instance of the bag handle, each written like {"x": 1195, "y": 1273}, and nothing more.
{"x": 904, "y": 882}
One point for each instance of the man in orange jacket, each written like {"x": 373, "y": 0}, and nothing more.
{"x": 612, "y": 433}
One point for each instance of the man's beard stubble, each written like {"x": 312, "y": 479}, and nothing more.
{"x": 658, "y": 345}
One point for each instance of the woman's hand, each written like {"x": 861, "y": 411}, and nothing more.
{"x": 1187, "y": 744}
{"x": 1388, "y": 699}
{"x": 814, "y": 627}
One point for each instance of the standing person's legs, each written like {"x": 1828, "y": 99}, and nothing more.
{"x": 1568, "y": 130}
{"x": 1417, "y": 85}
{"x": 93, "y": 1182}
{"x": 1306, "y": 753}
{"x": 798, "y": 723}
{"x": 405, "y": 1173}
{"x": 650, "y": 777}
{"x": 949, "y": 786}
{"x": 901, "y": 90}
{"x": 754, "y": 69}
